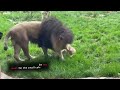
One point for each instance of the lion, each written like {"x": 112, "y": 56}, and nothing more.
{"x": 48, "y": 34}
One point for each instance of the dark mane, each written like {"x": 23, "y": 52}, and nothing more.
{"x": 52, "y": 26}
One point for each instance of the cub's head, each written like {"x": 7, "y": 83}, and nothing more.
{"x": 71, "y": 50}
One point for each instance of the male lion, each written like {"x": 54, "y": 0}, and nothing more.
{"x": 50, "y": 34}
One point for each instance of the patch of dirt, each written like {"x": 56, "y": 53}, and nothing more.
{"x": 4, "y": 76}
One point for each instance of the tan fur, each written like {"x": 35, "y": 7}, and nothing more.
{"x": 20, "y": 34}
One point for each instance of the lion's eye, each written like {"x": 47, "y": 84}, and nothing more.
{"x": 61, "y": 37}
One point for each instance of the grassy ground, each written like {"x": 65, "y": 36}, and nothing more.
{"x": 97, "y": 41}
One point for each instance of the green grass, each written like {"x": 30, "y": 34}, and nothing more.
{"x": 96, "y": 39}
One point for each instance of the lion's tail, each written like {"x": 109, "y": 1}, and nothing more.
{"x": 6, "y": 41}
